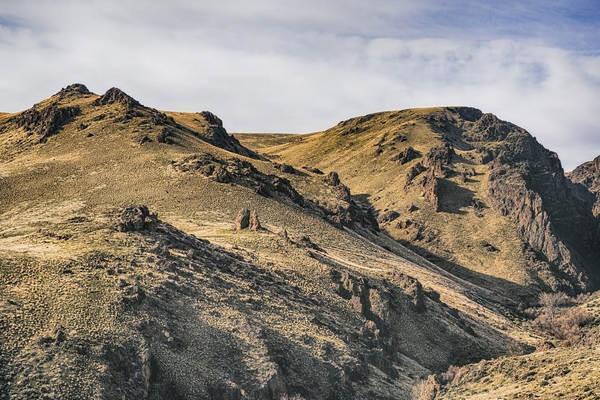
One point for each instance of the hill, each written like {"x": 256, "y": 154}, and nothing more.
{"x": 151, "y": 254}
{"x": 476, "y": 195}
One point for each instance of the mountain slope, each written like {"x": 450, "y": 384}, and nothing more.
{"x": 121, "y": 274}
{"x": 477, "y": 195}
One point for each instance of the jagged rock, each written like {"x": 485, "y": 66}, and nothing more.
{"x": 536, "y": 205}
{"x": 412, "y": 208}
{"x": 413, "y": 172}
{"x": 438, "y": 159}
{"x": 116, "y": 96}
{"x": 47, "y": 121}
{"x": 387, "y": 217}
{"x": 240, "y": 172}
{"x": 75, "y": 89}
{"x": 135, "y": 218}
{"x": 165, "y": 135}
{"x": 217, "y": 135}
{"x": 254, "y": 221}
{"x": 407, "y": 155}
{"x": 211, "y": 118}
{"x": 332, "y": 179}
{"x": 588, "y": 176}
{"x": 242, "y": 220}
{"x": 478, "y": 207}
{"x": 431, "y": 189}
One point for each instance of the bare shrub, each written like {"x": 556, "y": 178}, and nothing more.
{"x": 453, "y": 374}
{"x": 559, "y": 321}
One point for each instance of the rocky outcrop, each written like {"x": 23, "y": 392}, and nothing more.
{"x": 438, "y": 159}
{"x": 72, "y": 91}
{"x": 242, "y": 220}
{"x": 431, "y": 189}
{"x": 588, "y": 176}
{"x": 116, "y": 96}
{"x": 217, "y": 135}
{"x": 239, "y": 172}
{"x": 332, "y": 179}
{"x": 407, "y": 155}
{"x": 46, "y": 121}
{"x": 528, "y": 185}
{"x": 346, "y": 211}
{"x": 246, "y": 219}
{"x": 388, "y": 217}
{"x": 135, "y": 218}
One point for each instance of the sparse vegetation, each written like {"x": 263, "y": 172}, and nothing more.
{"x": 559, "y": 317}
{"x": 163, "y": 299}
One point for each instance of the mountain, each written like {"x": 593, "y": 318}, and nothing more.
{"x": 151, "y": 254}
{"x": 475, "y": 194}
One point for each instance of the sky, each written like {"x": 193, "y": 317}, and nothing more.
{"x": 302, "y": 66}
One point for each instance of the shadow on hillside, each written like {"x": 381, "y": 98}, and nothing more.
{"x": 512, "y": 293}
{"x": 453, "y": 197}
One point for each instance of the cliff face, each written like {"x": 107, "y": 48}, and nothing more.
{"x": 587, "y": 176}
{"x": 528, "y": 185}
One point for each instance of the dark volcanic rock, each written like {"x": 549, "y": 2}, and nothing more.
{"x": 116, "y": 96}
{"x": 438, "y": 159}
{"x": 242, "y": 220}
{"x": 288, "y": 169}
{"x": 74, "y": 90}
{"x": 388, "y": 217}
{"x": 332, "y": 179}
{"x": 217, "y": 135}
{"x": 46, "y": 121}
{"x": 413, "y": 172}
{"x": 588, "y": 176}
{"x": 431, "y": 189}
{"x": 407, "y": 155}
{"x": 211, "y": 118}
{"x": 135, "y": 218}
{"x": 528, "y": 185}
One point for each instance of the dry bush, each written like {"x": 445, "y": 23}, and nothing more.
{"x": 559, "y": 321}
{"x": 554, "y": 300}
{"x": 453, "y": 374}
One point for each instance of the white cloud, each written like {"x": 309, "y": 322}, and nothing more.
{"x": 300, "y": 66}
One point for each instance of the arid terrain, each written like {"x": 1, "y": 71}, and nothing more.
{"x": 437, "y": 253}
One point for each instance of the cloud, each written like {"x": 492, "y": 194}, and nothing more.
{"x": 299, "y": 66}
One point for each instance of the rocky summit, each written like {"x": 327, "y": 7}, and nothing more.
{"x": 436, "y": 253}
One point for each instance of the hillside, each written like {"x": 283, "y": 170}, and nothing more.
{"x": 476, "y": 195}
{"x": 151, "y": 254}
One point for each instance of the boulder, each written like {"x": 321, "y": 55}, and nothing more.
{"x": 242, "y": 220}
{"x": 387, "y": 217}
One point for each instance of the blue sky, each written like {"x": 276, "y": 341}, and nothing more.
{"x": 300, "y": 66}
